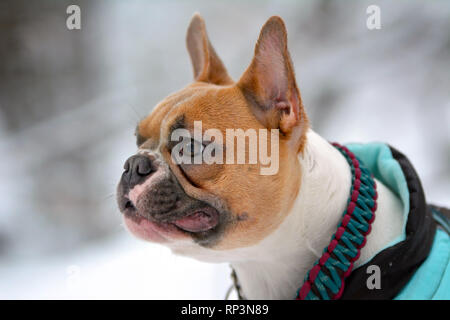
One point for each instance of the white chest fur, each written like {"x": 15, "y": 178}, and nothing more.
{"x": 275, "y": 268}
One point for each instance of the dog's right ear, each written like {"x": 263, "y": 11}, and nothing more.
{"x": 206, "y": 63}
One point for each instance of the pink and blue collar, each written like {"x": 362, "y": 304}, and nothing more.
{"x": 326, "y": 279}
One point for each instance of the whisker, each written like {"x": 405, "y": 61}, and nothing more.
{"x": 109, "y": 196}
{"x": 138, "y": 116}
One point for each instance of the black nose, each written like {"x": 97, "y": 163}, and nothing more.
{"x": 137, "y": 169}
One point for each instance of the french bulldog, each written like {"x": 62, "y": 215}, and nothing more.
{"x": 269, "y": 227}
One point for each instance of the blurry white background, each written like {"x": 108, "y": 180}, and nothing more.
{"x": 70, "y": 100}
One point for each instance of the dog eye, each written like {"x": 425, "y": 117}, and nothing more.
{"x": 192, "y": 148}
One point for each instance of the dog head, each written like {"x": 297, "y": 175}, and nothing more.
{"x": 167, "y": 196}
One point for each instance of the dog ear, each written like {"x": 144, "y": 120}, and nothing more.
{"x": 269, "y": 82}
{"x": 206, "y": 63}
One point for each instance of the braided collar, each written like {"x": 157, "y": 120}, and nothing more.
{"x": 326, "y": 279}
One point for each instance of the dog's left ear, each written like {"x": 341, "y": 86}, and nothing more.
{"x": 269, "y": 82}
{"x": 206, "y": 63}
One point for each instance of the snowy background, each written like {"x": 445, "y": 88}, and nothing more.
{"x": 70, "y": 100}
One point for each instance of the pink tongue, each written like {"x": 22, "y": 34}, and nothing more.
{"x": 199, "y": 221}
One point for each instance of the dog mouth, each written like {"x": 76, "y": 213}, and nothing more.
{"x": 159, "y": 210}
{"x": 197, "y": 222}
